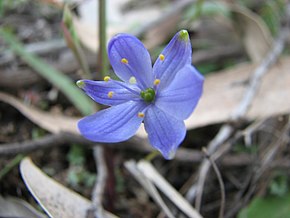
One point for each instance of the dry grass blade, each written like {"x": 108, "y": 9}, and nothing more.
{"x": 151, "y": 173}
{"x": 132, "y": 167}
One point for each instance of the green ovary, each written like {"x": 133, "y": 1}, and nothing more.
{"x": 148, "y": 95}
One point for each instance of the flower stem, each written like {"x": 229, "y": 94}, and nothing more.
{"x": 151, "y": 156}
{"x": 103, "y": 37}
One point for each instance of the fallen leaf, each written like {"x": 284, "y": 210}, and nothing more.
{"x": 223, "y": 91}
{"x": 255, "y": 33}
{"x": 51, "y": 122}
{"x": 54, "y": 198}
{"x": 16, "y": 207}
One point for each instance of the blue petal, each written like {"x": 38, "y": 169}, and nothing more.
{"x": 115, "y": 124}
{"x": 176, "y": 55}
{"x": 110, "y": 92}
{"x": 181, "y": 97}
{"x": 139, "y": 62}
{"x": 165, "y": 133}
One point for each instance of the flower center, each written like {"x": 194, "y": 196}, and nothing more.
{"x": 148, "y": 95}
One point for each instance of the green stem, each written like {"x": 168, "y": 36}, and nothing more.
{"x": 151, "y": 155}
{"x": 14, "y": 162}
{"x": 103, "y": 37}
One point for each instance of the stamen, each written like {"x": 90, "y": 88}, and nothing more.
{"x": 156, "y": 82}
{"x": 124, "y": 61}
{"x": 161, "y": 57}
{"x": 141, "y": 115}
{"x": 110, "y": 94}
{"x": 132, "y": 80}
{"x": 107, "y": 78}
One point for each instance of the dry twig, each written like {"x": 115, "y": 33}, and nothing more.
{"x": 222, "y": 186}
{"x": 98, "y": 191}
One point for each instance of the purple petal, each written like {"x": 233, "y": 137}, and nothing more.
{"x": 115, "y": 124}
{"x": 124, "y": 46}
{"x": 174, "y": 57}
{"x": 110, "y": 92}
{"x": 181, "y": 97}
{"x": 165, "y": 133}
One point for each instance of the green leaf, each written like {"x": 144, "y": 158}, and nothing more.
{"x": 271, "y": 206}
{"x": 83, "y": 103}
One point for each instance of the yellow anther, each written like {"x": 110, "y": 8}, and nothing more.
{"x": 124, "y": 61}
{"x": 161, "y": 57}
{"x": 156, "y": 82}
{"x": 141, "y": 115}
{"x": 110, "y": 94}
{"x": 107, "y": 78}
{"x": 132, "y": 80}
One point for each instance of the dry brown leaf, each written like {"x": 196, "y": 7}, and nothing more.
{"x": 54, "y": 198}
{"x": 48, "y": 121}
{"x": 256, "y": 35}
{"x": 224, "y": 91}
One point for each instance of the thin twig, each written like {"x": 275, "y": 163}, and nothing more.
{"x": 183, "y": 155}
{"x": 221, "y": 183}
{"x": 222, "y": 136}
{"x": 98, "y": 191}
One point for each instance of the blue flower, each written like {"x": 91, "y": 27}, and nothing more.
{"x": 162, "y": 96}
